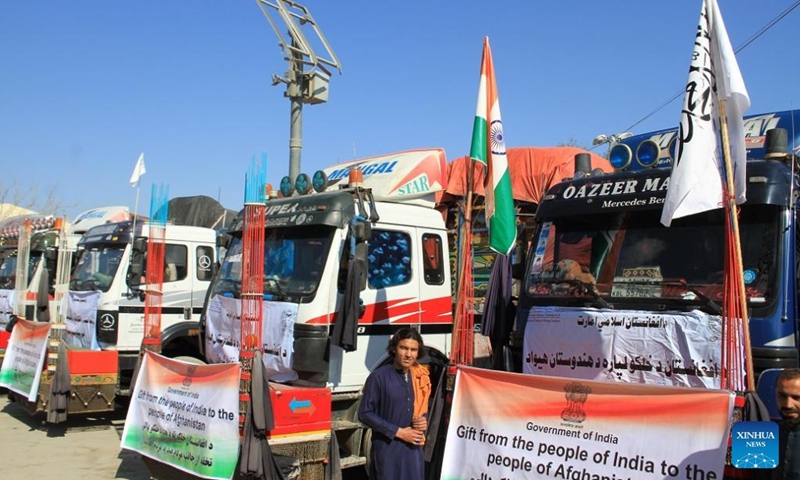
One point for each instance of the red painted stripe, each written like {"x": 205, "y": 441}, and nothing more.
{"x": 431, "y": 311}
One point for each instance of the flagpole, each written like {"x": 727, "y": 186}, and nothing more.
{"x": 467, "y": 214}
{"x": 135, "y": 210}
{"x": 462, "y": 334}
{"x": 734, "y": 219}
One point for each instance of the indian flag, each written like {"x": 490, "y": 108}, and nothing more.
{"x": 489, "y": 147}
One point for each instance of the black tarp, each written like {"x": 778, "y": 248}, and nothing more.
{"x": 256, "y": 459}
{"x": 345, "y": 326}
{"x": 199, "y": 211}
{"x": 58, "y": 404}
{"x": 498, "y": 313}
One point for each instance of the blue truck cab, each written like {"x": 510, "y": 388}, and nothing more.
{"x": 599, "y": 246}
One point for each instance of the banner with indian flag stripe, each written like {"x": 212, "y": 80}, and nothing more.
{"x": 25, "y": 356}
{"x": 489, "y": 148}
{"x": 186, "y": 416}
{"x": 551, "y": 427}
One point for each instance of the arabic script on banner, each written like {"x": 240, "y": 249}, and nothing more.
{"x": 620, "y": 346}
{"x": 6, "y": 307}
{"x": 82, "y": 319}
{"x": 223, "y": 333}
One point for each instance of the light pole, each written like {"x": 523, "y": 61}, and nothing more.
{"x": 302, "y": 86}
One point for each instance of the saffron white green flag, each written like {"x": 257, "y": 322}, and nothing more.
{"x": 696, "y": 183}
{"x": 489, "y": 147}
{"x": 138, "y": 170}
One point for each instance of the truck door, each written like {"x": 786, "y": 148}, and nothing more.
{"x": 391, "y": 300}
{"x": 177, "y": 288}
{"x": 436, "y": 301}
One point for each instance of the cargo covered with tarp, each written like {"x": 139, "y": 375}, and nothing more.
{"x": 199, "y": 211}
{"x": 532, "y": 169}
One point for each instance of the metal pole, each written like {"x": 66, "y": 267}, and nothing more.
{"x": 294, "y": 91}
{"x": 295, "y": 137}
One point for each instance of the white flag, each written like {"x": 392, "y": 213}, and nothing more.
{"x": 138, "y": 170}
{"x": 696, "y": 184}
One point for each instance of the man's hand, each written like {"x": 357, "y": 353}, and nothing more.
{"x": 410, "y": 435}
{"x": 419, "y": 423}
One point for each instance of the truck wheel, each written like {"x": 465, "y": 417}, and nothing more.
{"x": 188, "y": 359}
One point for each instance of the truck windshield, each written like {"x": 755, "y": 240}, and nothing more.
{"x": 294, "y": 259}
{"x": 96, "y": 267}
{"x": 8, "y": 269}
{"x": 624, "y": 258}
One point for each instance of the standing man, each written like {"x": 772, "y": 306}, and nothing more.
{"x": 388, "y": 408}
{"x": 787, "y": 391}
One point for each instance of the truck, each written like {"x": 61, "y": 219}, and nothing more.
{"x": 105, "y": 302}
{"x": 48, "y": 249}
{"x": 389, "y": 228}
{"x": 392, "y": 226}
{"x": 27, "y": 269}
{"x": 602, "y": 265}
{"x": 43, "y": 243}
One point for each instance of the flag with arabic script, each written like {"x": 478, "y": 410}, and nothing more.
{"x": 696, "y": 183}
{"x": 489, "y": 148}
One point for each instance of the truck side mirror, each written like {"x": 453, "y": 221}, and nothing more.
{"x": 140, "y": 244}
{"x": 362, "y": 231}
{"x": 136, "y": 269}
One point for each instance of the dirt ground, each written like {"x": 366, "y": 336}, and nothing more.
{"x": 84, "y": 447}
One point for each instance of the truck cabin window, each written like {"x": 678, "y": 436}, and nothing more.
{"x": 294, "y": 260}
{"x": 96, "y": 267}
{"x": 389, "y": 259}
{"x": 630, "y": 256}
{"x": 8, "y": 272}
{"x": 8, "y": 269}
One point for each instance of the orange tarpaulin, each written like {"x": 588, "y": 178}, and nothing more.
{"x": 533, "y": 170}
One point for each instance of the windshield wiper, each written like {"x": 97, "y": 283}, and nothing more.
{"x": 707, "y": 301}
{"x": 598, "y": 301}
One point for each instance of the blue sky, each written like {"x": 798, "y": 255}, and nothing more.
{"x": 85, "y": 86}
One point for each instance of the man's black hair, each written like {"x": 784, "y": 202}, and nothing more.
{"x": 406, "y": 333}
{"x": 787, "y": 374}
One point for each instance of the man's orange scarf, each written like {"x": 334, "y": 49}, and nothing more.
{"x": 421, "y": 382}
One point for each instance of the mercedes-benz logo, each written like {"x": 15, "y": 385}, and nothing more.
{"x": 107, "y": 321}
{"x": 204, "y": 262}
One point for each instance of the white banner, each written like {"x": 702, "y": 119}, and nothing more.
{"x": 186, "y": 415}
{"x": 24, "y": 361}
{"x": 223, "y": 335}
{"x": 559, "y": 428}
{"x": 6, "y": 307}
{"x": 673, "y": 348}
{"x": 81, "y": 319}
